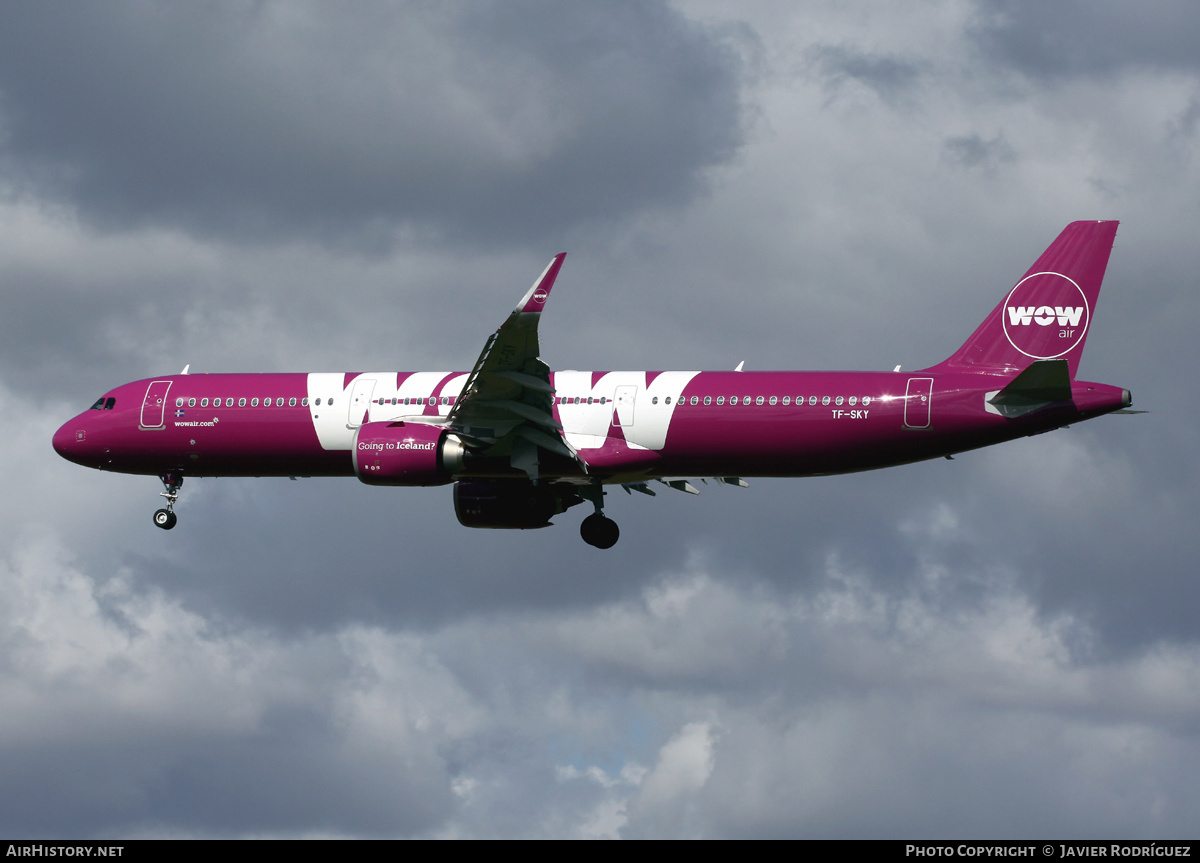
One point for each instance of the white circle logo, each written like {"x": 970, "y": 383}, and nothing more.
{"x": 1045, "y": 316}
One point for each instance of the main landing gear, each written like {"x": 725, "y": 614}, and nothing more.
{"x": 597, "y": 529}
{"x": 166, "y": 518}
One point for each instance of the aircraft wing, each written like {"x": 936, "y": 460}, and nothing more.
{"x": 507, "y": 404}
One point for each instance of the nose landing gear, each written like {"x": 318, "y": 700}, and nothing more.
{"x": 166, "y": 518}
{"x": 597, "y": 529}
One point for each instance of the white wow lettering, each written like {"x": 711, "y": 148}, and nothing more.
{"x": 1066, "y": 316}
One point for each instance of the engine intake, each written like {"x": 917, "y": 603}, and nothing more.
{"x": 398, "y": 453}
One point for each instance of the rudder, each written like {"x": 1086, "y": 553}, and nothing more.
{"x": 1047, "y": 314}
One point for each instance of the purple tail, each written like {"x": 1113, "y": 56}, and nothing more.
{"x": 1047, "y": 314}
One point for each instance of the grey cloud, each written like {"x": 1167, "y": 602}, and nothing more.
{"x": 1055, "y": 40}
{"x": 975, "y": 151}
{"x": 552, "y": 722}
{"x": 890, "y": 77}
{"x": 504, "y": 121}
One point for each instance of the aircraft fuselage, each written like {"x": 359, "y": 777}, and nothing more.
{"x": 790, "y": 424}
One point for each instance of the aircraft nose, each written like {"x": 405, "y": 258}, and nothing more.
{"x": 70, "y": 440}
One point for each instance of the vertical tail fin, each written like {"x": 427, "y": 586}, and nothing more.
{"x": 1047, "y": 313}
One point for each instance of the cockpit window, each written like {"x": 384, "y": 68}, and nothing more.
{"x": 110, "y": 403}
{"x": 104, "y": 404}
{"x": 99, "y": 405}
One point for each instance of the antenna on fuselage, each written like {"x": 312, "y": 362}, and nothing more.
{"x": 739, "y": 366}
{"x": 185, "y": 369}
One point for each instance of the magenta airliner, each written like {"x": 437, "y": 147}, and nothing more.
{"x": 522, "y": 444}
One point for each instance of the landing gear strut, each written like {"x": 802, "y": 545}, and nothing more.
{"x": 597, "y": 529}
{"x": 166, "y": 518}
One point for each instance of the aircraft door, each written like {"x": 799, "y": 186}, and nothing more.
{"x": 917, "y": 401}
{"x": 360, "y": 402}
{"x": 154, "y": 405}
{"x": 625, "y": 397}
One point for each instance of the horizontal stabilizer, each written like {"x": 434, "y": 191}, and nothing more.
{"x": 1043, "y": 382}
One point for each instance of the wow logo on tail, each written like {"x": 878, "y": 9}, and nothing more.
{"x": 1046, "y": 315}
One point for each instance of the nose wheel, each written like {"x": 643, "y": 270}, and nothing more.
{"x": 597, "y": 529}
{"x": 166, "y": 518}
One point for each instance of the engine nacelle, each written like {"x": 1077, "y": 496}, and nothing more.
{"x": 510, "y": 504}
{"x": 398, "y": 453}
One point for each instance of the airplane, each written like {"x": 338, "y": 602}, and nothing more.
{"x": 521, "y": 443}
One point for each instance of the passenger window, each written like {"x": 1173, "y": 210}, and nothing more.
{"x": 720, "y": 400}
{"x": 242, "y": 402}
{"x": 203, "y": 403}
{"x": 318, "y": 402}
{"x": 191, "y": 403}
{"x": 866, "y": 400}
{"x": 812, "y": 400}
{"x": 774, "y": 400}
{"x": 759, "y": 400}
{"x": 825, "y": 400}
{"x": 745, "y": 400}
{"x": 253, "y": 403}
{"x": 292, "y": 402}
{"x": 708, "y": 400}
{"x": 178, "y": 403}
{"x": 853, "y": 401}
{"x": 667, "y": 400}
{"x": 838, "y": 400}
{"x": 654, "y": 400}
{"x": 787, "y": 400}
{"x": 695, "y": 400}
{"x": 330, "y": 402}
{"x": 279, "y": 402}
{"x": 304, "y": 401}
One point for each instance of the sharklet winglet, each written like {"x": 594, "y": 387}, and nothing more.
{"x": 535, "y": 299}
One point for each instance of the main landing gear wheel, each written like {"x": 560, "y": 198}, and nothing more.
{"x": 165, "y": 519}
{"x": 600, "y": 531}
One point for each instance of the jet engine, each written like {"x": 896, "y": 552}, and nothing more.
{"x": 512, "y": 504}
{"x": 399, "y": 453}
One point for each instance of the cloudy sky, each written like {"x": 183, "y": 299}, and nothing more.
{"x": 1001, "y": 645}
